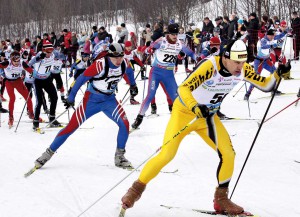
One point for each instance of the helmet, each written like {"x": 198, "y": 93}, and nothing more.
{"x": 116, "y": 50}
{"x": 236, "y": 50}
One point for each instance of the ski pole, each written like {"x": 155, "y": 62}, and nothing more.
{"x": 248, "y": 102}
{"x": 135, "y": 169}
{"x": 282, "y": 110}
{"x": 298, "y": 95}
{"x": 238, "y": 90}
{"x": 23, "y": 110}
{"x": 257, "y": 133}
{"x": 66, "y": 67}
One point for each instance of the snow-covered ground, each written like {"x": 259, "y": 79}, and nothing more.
{"x": 82, "y": 170}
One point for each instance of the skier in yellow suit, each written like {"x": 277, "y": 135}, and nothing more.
{"x": 201, "y": 95}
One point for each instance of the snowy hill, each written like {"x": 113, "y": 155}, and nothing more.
{"x": 82, "y": 170}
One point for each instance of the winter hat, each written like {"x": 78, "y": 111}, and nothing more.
{"x": 123, "y": 24}
{"x": 15, "y": 56}
{"x": 47, "y": 46}
{"x": 277, "y": 22}
{"x": 217, "y": 29}
{"x": 214, "y": 41}
{"x": 85, "y": 55}
{"x": 173, "y": 28}
{"x": 241, "y": 21}
{"x": 131, "y": 34}
{"x": 236, "y": 50}
{"x": 102, "y": 28}
{"x": 253, "y": 14}
{"x": 28, "y": 44}
{"x": 65, "y": 30}
{"x": 243, "y": 28}
{"x": 116, "y": 50}
{"x": 271, "y": 32}
{"x": 2, "y": 54}
{"x": 283, "y": 23}
{"x": 128, "y": 44}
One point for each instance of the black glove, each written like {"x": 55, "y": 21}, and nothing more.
{"x": 133, "y": 90}
{"x": 284, "y": 68}
{"x": 298, "y": 95}
{"x": 68, "y": 104}
{"x": 42, "y": 55}
{"x": 201, "y": 111}
{"x": 213, "y": 50}
{"x": 143, "y": 68}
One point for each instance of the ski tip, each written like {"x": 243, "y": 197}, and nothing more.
{"x": 122, "y": 212}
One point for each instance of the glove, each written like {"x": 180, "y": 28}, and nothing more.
{"x": 201, "y": 111}
{"x": 143, "y": 68}
{"x": 71, "y": 74}
{"x": 42, "y": 56}
{"x": 68, "y": 104}
{"x": 133, "y": 90}
{"x": 213, "y": 50}
{"x": 284, "y": 68}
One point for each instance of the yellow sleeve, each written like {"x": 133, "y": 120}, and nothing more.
{"x": 203, "y": 72}
{"x": 265, "y": 84}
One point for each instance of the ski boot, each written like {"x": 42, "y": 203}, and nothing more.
{"x": 133, "y": 101}
{"x": 3, "y": 110}
{"x": 277, "y": 93}
{"x": 44, "y": 158}
{"x": 36, "y": 125}
{"x": 10, "y": 122}
{"x": 143, "y": 76}
{"x": 224, "y": 205}
{"x": 133, "y": 194}
{"x": 153, "y": 108}
{"x": 221, "y": 115}
{"x": 53, "y": 122}
{"x": 121, "y": 161}
{"x": 138, "y": 121}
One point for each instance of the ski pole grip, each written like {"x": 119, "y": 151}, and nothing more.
{"x": 298, "y": 95}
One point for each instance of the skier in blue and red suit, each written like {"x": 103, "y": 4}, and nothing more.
{"x": 166, "y": 50}
{"x": 104, "y": 75}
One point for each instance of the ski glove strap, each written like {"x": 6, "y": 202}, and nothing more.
{"x": 201, "y": 111}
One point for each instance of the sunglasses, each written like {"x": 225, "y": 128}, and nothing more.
{"x": 116, "y": 54}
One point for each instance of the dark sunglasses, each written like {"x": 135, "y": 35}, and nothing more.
{"x": 116, "y": 54}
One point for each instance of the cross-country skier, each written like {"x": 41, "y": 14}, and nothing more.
{"x": 200, "y": 95}
{"x": 263, "y": 60}
{"x": 166, "y": 51}
{"x": 12, "y": 71}
{"x": 44, "y": 63}
{"x": 104, "y": 75}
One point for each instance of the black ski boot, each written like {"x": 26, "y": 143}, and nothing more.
{"x": 153, "y": 108}
{"x": 36, "y": 124}
{"x": 138, "y": 121}
{"x": 221, "y": 115}
{"x": 53, "y": 122}
{"x": 2, "y": 110}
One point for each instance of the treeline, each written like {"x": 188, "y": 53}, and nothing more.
{"x": 27, "y": 18}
